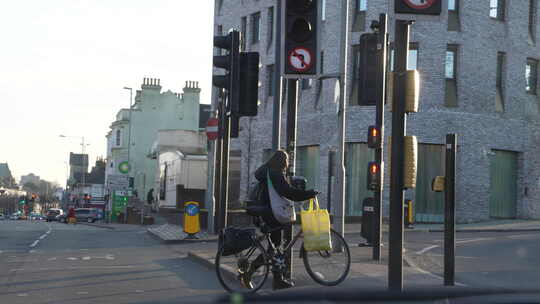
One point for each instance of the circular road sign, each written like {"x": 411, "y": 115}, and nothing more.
{"x": 300, "y": 59}
{"x": 212, "y": 128}
{"x": 419, "y": 4}
{"x": 123, "y": 167}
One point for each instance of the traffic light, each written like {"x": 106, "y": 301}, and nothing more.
{"x": 300, "y": 47}
{"x": 374, "y": 176}
{"x": 367, "y": 70}
{"x": 230, "y": 63}
{"x": 374, "y": 137}
{"x": 249, "y": 84}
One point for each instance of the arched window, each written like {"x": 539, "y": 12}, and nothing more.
{"x": 117, "y": 138}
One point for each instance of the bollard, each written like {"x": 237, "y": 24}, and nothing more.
{"x": 367, "y": 221}
{"x": 192, "y": 224}
{"x": 408, "y": 219}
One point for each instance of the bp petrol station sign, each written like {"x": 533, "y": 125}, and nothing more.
{"x": 123, "y": 167}
{"x": 418, "y": 7}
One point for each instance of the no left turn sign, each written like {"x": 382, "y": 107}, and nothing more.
{"x": 300, "y": 59}
{"x": 420, "y": 4}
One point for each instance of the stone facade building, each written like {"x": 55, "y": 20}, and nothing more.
{"x": 479, "y": 65}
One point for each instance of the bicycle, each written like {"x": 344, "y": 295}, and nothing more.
{"x": 328, "y": 268}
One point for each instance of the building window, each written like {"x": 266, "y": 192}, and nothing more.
{"x": 243, "y": 31}
{"x": 118, "y": 138}
{"x": 323, "y": 10}
{"x": 322, "y": 62}
{"x": 532, "y": 20}
{"x": 359, "y": 24}
{"x": 355, "y": 73}
{"x": 531, "y": 76}
{"x": 219, "y": 6}
{"x": 450, "y": 68}
{"x": 412, "y": 60}
{"x": 307, "y": 165}
{"x": 307, "y": 83}
{"x": 270, "y": 35}
{"x": 255, "y": 27}
{"x": 361, "y": 5}
{"x": 499, "y": 84}
{"x": 453, "y": 15}
{"x": 497, "y": 9}
{"x": 270, "y": 80}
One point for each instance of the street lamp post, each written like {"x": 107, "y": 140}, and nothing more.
{"x": 129, "y": 127}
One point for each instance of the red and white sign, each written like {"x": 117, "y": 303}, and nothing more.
{"x": 300, "y": 59}
{"x": 419, "y": 4}
{"x": 212, "y": 128}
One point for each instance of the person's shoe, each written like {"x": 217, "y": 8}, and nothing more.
{"x": 281, "y": 283}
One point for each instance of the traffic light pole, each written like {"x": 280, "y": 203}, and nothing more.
{"x": 450, "y": 211}
{"x": 382, "y": 43}
{"x": 225, "y": 120}
{"x": 395, "y": 260}
{"x": 292, "y": 104}
{"x": 276, "y": 121}
{"x": 218, "y": 153}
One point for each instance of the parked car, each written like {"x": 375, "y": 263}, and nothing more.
{"x": 2, "y": 217}
{"x": 89, "y": 215}
{"x": 54, "y": 214}
{"x": 14, "y": 216}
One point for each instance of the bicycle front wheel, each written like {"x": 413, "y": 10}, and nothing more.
{"x": 231, "y": 269}
{"x": 329, "y": 267}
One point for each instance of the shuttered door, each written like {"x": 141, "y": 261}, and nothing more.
{"x": 357, "y": 157}
{"x": 503, "y": 186}
{"x": 428, "y": 205}
{"x": 307, "y": 165}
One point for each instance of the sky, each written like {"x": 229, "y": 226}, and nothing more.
{"x": 64, "y": 63}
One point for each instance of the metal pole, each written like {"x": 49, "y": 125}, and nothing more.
{"x": 292, "y": 105}
{"x": 395, "y": 260}
{"x": 379, "y": 122}
{"x": 224, "y": 182}
{"x": 339, "y": 215}
{"x": 217, "y": 164}
{"x": 276, "y": 121}
{"x": 450, "y": 211}
{"x": 129, "y": 129}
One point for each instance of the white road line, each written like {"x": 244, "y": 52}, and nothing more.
{"x": 16, "y": 269}
{"x": 86, "y": 258}
{"x": 82, "y": 292}
{"x": 427, "y": 249}
{"x": 43, "y": 236}
{"x": 34, "y": 244}
{"x": 473, "y": 240}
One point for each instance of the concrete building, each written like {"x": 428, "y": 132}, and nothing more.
{"x": 29, "y": 178}
{"x": 6, "y": 179}
{"x": 152, "y": 111}
{"x": 479, "y": 78}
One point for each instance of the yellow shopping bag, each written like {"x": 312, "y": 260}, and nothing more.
{"x": 316, "y": 227}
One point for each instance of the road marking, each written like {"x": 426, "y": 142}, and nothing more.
{"x": 34, "y": 244}
{"x": 22, "y": 295}
{"x": 86, "y": 258}
{"x": 51, "y": 259}
{"x": 43, "y": 236}
{"x": 72, "y": 259}
{"x": 16, "y": 269}
{"x": 109, "y": 257}
{"x": 457, "y": 256}
{"x": 82, "y": 292}
{"x": 473, "y": 240}
{"x": 427, "y": 249}
{"x": 139, "y": 291}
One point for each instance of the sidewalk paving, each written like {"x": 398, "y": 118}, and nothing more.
{"x": 174, "y": 233}
{"x": 518, "y": 225}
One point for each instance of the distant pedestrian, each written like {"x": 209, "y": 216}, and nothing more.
{"x": 150, "y": 197}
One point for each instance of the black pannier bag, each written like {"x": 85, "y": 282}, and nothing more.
{"x": 235, "y": 240}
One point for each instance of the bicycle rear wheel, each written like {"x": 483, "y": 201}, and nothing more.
{"x": 330, "y": 267}
{"x": 230, "y": 268}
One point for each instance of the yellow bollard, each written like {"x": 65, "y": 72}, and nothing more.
{"x": 192, "y": 224}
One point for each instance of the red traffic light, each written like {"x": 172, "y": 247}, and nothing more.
{"x": 374, "y": 137}
{"x": 374, "y": 176}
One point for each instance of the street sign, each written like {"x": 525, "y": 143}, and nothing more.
{"x": 300, "y": 59}
{"x": 118, "y": 181}
{"x": 418, "y": 7}
{"x": 212, "y": 128}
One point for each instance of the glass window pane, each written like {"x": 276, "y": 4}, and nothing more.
{"x": 452, "y": 5}
{"x": 449, "y": 65}
{"x": 362, "y": 5}
{"x": 323, "y": 10}
{"x": 493, "y": 4}
{"x": 412, "y": 63}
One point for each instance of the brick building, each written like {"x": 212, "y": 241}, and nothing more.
{"x": 479, "y": 78}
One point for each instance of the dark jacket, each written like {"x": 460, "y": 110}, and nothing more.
{"x": 282, "y": 185}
